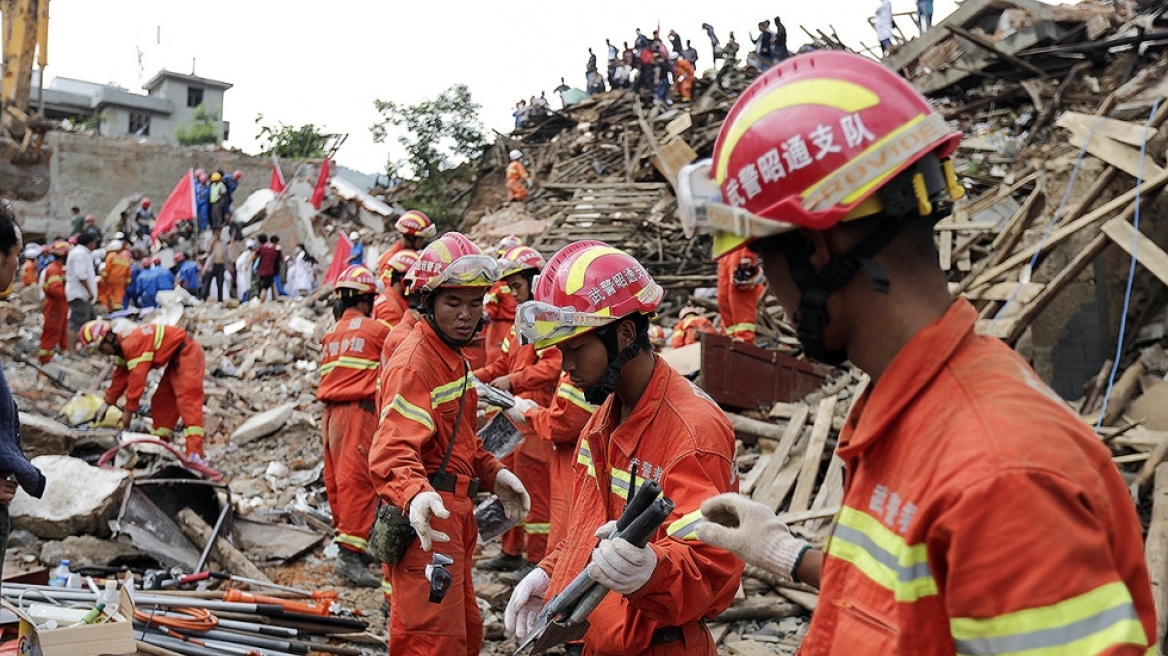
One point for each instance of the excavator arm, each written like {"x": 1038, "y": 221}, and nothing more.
{"x": 24, "y": 155}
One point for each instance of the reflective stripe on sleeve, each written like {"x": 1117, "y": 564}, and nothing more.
{"x": 882, "y": 556}
{"x": 1087, "y": 624}
{"x": 686, "y": 527}
{"x": 159, "y": 332}
{"x": 573, "y": 395}
{"x": 410, "y": 411}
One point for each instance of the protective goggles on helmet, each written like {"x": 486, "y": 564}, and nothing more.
{"x": 466, "y": 271}
{"x": 440, "y": 579}
{"x": 700, "y": 207}
{"x": 544, "y": 325}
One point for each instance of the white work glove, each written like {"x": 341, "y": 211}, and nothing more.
{"x": 516, "y": 413}
{"x": 620, "y": 566}
{"x": 510, "y": 490}
{"x": 425, "y": 505}
{"x": 751, "y": 531}
{"x": 526, "y": 602}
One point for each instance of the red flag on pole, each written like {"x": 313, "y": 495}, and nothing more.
{"x": 321, "y": 183}
{"x": 179, "y": 206}
{"x": 340, "y": 258}
{"x": 277, "y": 182}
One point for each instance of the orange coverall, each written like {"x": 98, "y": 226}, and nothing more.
{"x": 516, "y": 175}
{"x": 114, "y": 278}
{"x": 686, "y": 331}
{"x": 179, "y": 393}
{"x": 55, "y": 330}
{"x": 980, "y": 515}
{"x": 677, "y": 436}
{"x": 28, "y": 273}
{"x": 738, "y": 304}
{"x": 383, "y": 260}
{"x": 685, "y": 79}
{"x": 350, "y": 357}
{"x": 390, "y": 307}
{"x": 423, "y": 383}
{"x": 500, "y": 305}
{"x": 532, "y": 374}
{"x": 560, "y": 424}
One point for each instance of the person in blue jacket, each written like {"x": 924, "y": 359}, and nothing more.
{"x": 187, "y": 273}
{"x": 157, "y": 279}
{"x": 133, "y": 289}
{"x": 202, "y": 199}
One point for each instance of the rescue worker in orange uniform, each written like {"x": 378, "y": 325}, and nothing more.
{"x": 179, "y": 394}
{"x": 349, "y": 362}
{"x": 28, "y": 268}
{"x": 690, "y": 323}
{"x": 413, "y": 228}
{"x": 740, "y": 285}
{"x": 979, "y": 514}
{"x": 559, "y": 424}
{"x": 391, "y": 304}
{"x": 522, "y": 370}
{"x": 55, "y": 330}
{"x": 500, "y": 308}
{"x": 684, "y": 77}
{"x": 593, "y": 302}
{"x": 430, "y": 412}
{"x": 115, "y": 276}
{"x": 516, "y": 176}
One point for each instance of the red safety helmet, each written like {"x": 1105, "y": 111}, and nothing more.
{"x": 585, "y": 286}
{"x": 357, "y": 278}
{"x": 808, "y": 144}
{"x": 179, "y": 257}
{"x": 147, "y": 262}
{"x": 688, "y": 311}
{"x": 507, "y": 243}
{"x": 60, "y": 248}
{"x": 520, "y": 258}
{"x": 157, "y": 261}
{"x": 452, "y": 261}
{"x": 146, "y": 203}
{"x": 415, "y": 223}
{"x": 237, "y": 175}
{"x": 399, "y": 262}
{"x": 92, "y": 333}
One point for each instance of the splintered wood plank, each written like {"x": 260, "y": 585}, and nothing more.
{"x": 746, "y": 485}
{"x": 772, "y": 485}
{"x": 1148, "y": 254}
{"x": 807, "y": 475}
{"x": 831, "y": 492}
{"x": 1128, "y": 133}
{"x": 1122, "y": 156}
{"x": 1022, "y": 292}
{"x": 1156, "y": 548}
{"x": 945, "y": 248}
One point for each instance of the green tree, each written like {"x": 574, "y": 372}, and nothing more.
{"x": 202, "y": 129}
{"x": 304, "y": 142}
{"x": 440, "y": 134}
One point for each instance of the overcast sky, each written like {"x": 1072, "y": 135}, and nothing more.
{"x": 300, "y": 61}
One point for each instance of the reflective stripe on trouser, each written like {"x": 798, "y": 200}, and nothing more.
{"x": 55, "y": 330}
{"x": 455, "y": 626}
{"x": 180, "y": 396}
{"x": 386, "y": 586}
{"x": 532, "y": 466}
{"x": 347, "y": 431}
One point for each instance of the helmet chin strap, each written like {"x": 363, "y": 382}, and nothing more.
{"x": 812, "y": 318}
{"x": 616, "y": 362}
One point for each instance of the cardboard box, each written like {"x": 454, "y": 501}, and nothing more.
{"x": 113, "y": 637}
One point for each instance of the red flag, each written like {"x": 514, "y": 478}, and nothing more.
{"x": 321, "y": 183}
{"x": 277, "y": 183}
{"x": 340, "y": 257}
{"x": 179, "y": 206}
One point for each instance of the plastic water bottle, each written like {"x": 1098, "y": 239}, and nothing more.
{"x": 110, "y": 598}
{"x": 60, "y": 576}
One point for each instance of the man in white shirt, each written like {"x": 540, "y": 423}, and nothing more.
{"x": 80, "y": 284}
{"x": 884, "y": 25}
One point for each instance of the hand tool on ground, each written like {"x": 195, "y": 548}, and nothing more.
{"x": 224, "y": 576}
{"x": 323, "y": 607}
{"x": 565, "y": 618}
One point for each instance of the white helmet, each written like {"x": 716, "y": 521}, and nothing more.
{"x": 515, "y": 154}
{"x": 355, "y": 236}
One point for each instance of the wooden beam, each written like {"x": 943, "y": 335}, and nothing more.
{"x": 986, "y": 45}
{"x": 1148, "y": 254}
{"x": 1128, "y": 133}
{"x": 1121, "y": 156}
{"x": 811, "y": 458}
{"x": 1156, "y": 548}
{"x": 771, "y": 488}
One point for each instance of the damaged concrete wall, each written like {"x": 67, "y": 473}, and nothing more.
{"x": 94, "y": 173}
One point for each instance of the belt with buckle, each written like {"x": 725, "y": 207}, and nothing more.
{"x": 450, "y": 483}
{"x": 666, "y": 635}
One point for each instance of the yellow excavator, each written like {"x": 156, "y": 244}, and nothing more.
{"x": 24, "y": 155}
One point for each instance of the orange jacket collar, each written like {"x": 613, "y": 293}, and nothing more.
{"x": 909, "y": 373}
{"x": 626, "y": 436}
